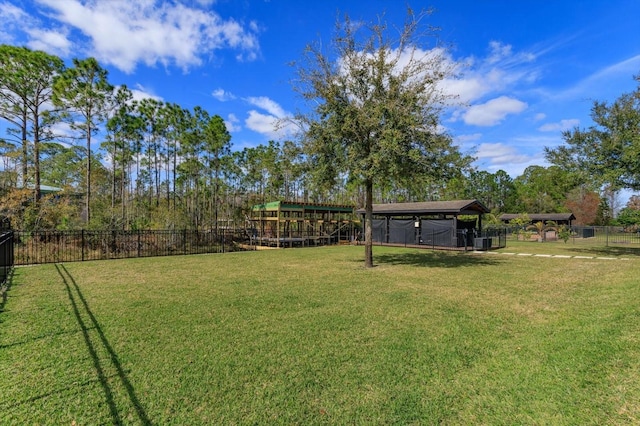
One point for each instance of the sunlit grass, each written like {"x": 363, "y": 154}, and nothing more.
{"x": 573, "y": 247}
{"x": 308, "y": 336}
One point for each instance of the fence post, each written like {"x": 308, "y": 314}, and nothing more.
{"x": 184, "y": 241}
{"x": 82, "y": 244}
{"x": 606, "y": 230}
{"x": 6, "y": 262}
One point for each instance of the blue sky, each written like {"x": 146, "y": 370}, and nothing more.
{"x": 531, "y": 68}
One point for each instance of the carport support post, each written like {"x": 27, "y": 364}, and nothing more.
{"x": 455, "y": 230}
{"x": 387, "y": 221}
{"x": 278, "y": 227}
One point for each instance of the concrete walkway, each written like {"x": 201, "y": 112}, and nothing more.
{"x": 555, "y": 256}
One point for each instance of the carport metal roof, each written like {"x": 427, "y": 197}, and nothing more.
{"x": 456, "y": 207}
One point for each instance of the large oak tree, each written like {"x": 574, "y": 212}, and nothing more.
{"x": 375, "y": 104}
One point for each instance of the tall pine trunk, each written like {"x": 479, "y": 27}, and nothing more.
{"x": 25, "y": 148}
{"x": 88, "y": 197}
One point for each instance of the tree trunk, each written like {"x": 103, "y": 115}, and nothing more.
{"x": 123, "y": 185}
{"x": 25, "y": 149}
{"x": 113, "y": 177}
{"x": 368, "y": 222}
{"x": 36, "y": 157}
{"x": 175, "y": 166}
{"x": 88, "y": 199}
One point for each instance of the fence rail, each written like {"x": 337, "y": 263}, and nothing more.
{"x": 608, "y": 236}
{"x": 70, "y": 246}
{"x": 459, "y": 240}
{"x": 24, "y": 248}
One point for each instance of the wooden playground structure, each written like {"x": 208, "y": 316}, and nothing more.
{"x": 294, "y": 224}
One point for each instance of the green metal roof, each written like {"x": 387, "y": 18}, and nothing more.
{"x": 291, "y": 205}
{"x": 44, "y": 189}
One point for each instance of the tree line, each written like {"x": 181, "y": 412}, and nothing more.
{"x": 164, "y": 166}
{"x": 159, "y": 165}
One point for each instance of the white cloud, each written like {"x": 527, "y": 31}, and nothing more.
{"x": 222, "y": 95}
{"x": 272, "y": 124}
{"x": 125, "y": 33}
{"x": 11, "y": 16}
{"x": 501, "y": 70}
{"x": 493, "y": 112}
{"x": 463, "y": 140}
{"x": 540, "y": 116}
{"x": 232, "y": 123}
{"x": 64, "y": 133}
{"x": 500, "y": 156}
{"x": 53, "y": 42}
{"x": 465, "y": 89}
{"x": 141, "y": 92}
{"x": 500, "y": 153}
{"x": 499, "y": 51}
{"x": 11, "y": 12}
{"x": 469, "y": 79}
{"x": 503, "y": 54}
{"x": 272, "y": 107}
{"x": 560, "y": 126}
{"x": 262, "y": 123}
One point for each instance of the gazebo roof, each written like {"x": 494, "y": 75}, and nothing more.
{"x": 294, "y": 205}
{"x": 430, "y": 207}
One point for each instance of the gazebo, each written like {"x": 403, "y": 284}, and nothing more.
{"x": 436, "y": 223}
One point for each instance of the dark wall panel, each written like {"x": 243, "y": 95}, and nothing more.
{"x": 438, "y": 233}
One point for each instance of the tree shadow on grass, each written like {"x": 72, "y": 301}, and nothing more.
{"x": 609, "y": 251}
{"x": 81, "y": 310}
{"x": 430, "y": 259}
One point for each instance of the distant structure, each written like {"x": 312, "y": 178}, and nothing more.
{"x": 290, "y": 223}
{"x": 557, "y": 218}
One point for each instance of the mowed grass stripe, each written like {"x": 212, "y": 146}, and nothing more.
{"x": 309, "y": 336}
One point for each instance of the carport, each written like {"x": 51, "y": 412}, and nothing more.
{"x": 435, "y": 223}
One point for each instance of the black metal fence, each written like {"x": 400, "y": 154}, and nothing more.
{"x": 460, "y": 240}
{"x": 607, "y": 236}
{"x": 70, "y": 246}
{"x": 497, "y": 237}
{"x": 6, "y": 258}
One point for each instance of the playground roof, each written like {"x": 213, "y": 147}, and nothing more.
{"x": 293, "y": 205}
{"x": 44, "y": 189}
{"x": 456, "y": 207}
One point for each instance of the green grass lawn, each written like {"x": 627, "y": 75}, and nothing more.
{"x": 575, "y": 247}
{"x": 308, "y": 336}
